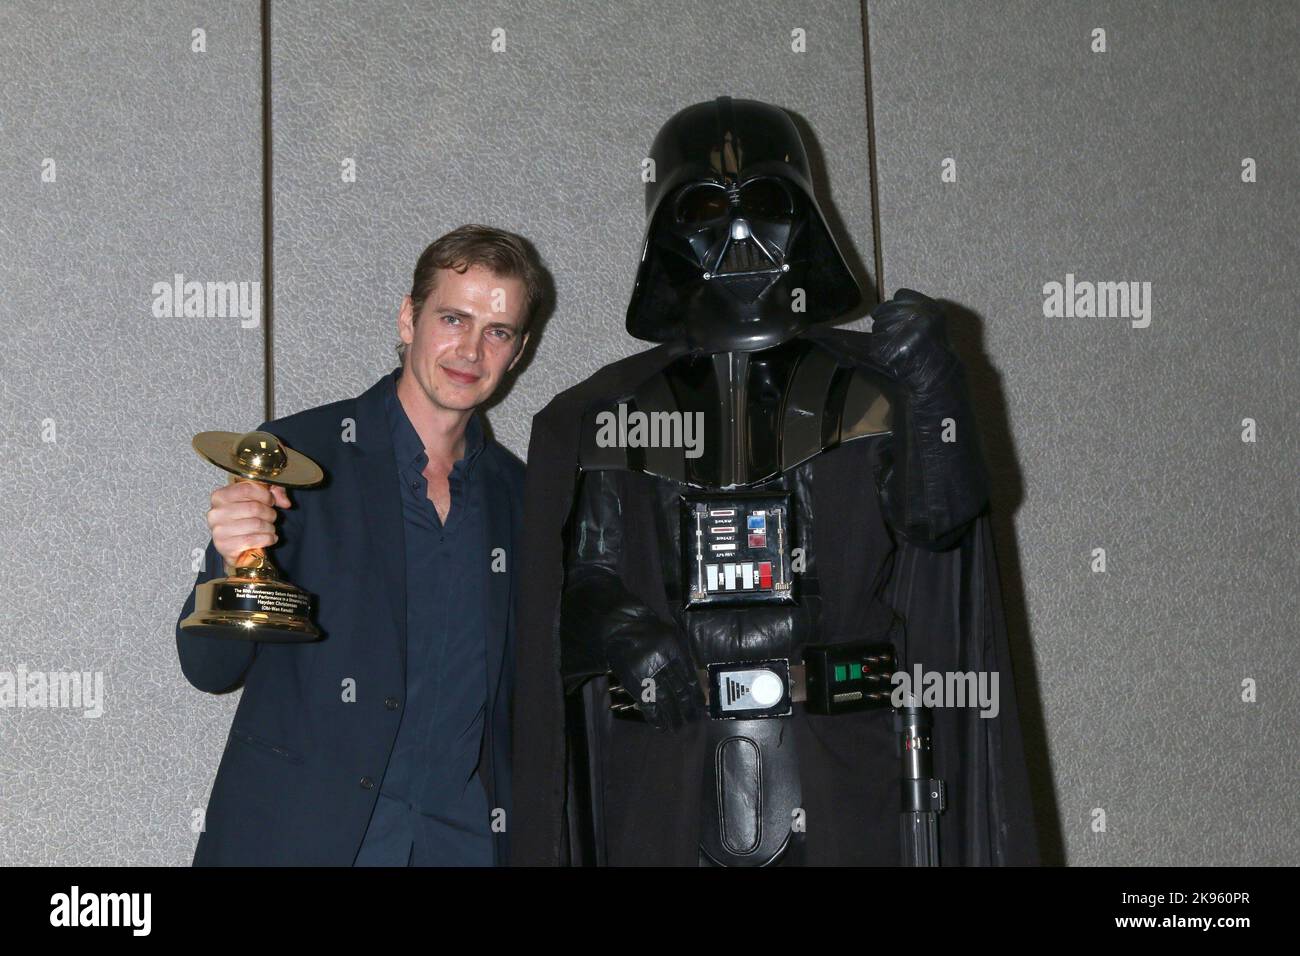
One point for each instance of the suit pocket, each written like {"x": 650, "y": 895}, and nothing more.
{"x": 267, "y": 746}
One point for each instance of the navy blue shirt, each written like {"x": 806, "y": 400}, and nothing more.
{"x": 432, "y": 808}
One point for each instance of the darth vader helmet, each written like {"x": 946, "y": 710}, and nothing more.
{"x": 737, "y": 255}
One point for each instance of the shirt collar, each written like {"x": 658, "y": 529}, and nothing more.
{"x": 407, "y": 446}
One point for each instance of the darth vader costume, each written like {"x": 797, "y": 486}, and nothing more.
{"x": 735, "y": 538}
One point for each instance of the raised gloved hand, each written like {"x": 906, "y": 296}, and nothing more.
{"x": 931, "y": 481}
{"x": 909, "y": 341}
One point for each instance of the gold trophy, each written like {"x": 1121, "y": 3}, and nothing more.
{"x": 253, "y": 601}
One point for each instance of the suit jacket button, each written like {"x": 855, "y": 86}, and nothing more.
{"x": 367, "y": 783}
{"x": 390, "y": 703}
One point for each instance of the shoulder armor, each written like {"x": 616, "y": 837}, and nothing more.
{"x": 736, "y": 418}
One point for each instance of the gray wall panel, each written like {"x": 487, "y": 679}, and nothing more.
{"x": 158, "y": 165}
{"x": 1123, "y": 165}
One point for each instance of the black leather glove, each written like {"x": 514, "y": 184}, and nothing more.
{"x": 605, "y": 627}
{"x": 930, "y": 489}
{"x": 909, "y": 341}
{"x": 656, "y": 673}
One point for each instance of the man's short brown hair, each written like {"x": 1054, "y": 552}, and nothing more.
{"x": 501, "y": 253}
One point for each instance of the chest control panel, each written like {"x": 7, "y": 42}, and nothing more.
{"x": 736, "y": 549}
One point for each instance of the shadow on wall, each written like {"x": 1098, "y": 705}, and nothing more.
{"x": 966, "y": 331}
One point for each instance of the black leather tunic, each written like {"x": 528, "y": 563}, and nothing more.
{"x": 766, "y": 416}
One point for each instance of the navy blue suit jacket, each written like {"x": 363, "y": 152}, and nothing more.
{"x": 302, "y": 765}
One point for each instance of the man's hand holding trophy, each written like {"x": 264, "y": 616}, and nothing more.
{"x": 253, "y": 601}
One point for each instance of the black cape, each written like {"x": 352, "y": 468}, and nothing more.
{"x": 646, "y": 786}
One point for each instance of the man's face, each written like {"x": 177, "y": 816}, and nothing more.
{"x": 467, "y": 337}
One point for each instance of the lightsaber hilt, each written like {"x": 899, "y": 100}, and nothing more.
{"x": 923, "y": 797}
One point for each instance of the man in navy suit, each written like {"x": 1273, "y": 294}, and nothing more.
{"x": 387, "y": 741}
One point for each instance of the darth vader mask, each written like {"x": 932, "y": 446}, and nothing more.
{"x": 737, "y": 255}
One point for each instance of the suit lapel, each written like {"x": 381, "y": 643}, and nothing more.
{"x": 384, "y": 554}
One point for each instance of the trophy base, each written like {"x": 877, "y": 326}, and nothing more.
{"x": 249, "y": 610}
{"x": 272, "y": 628}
